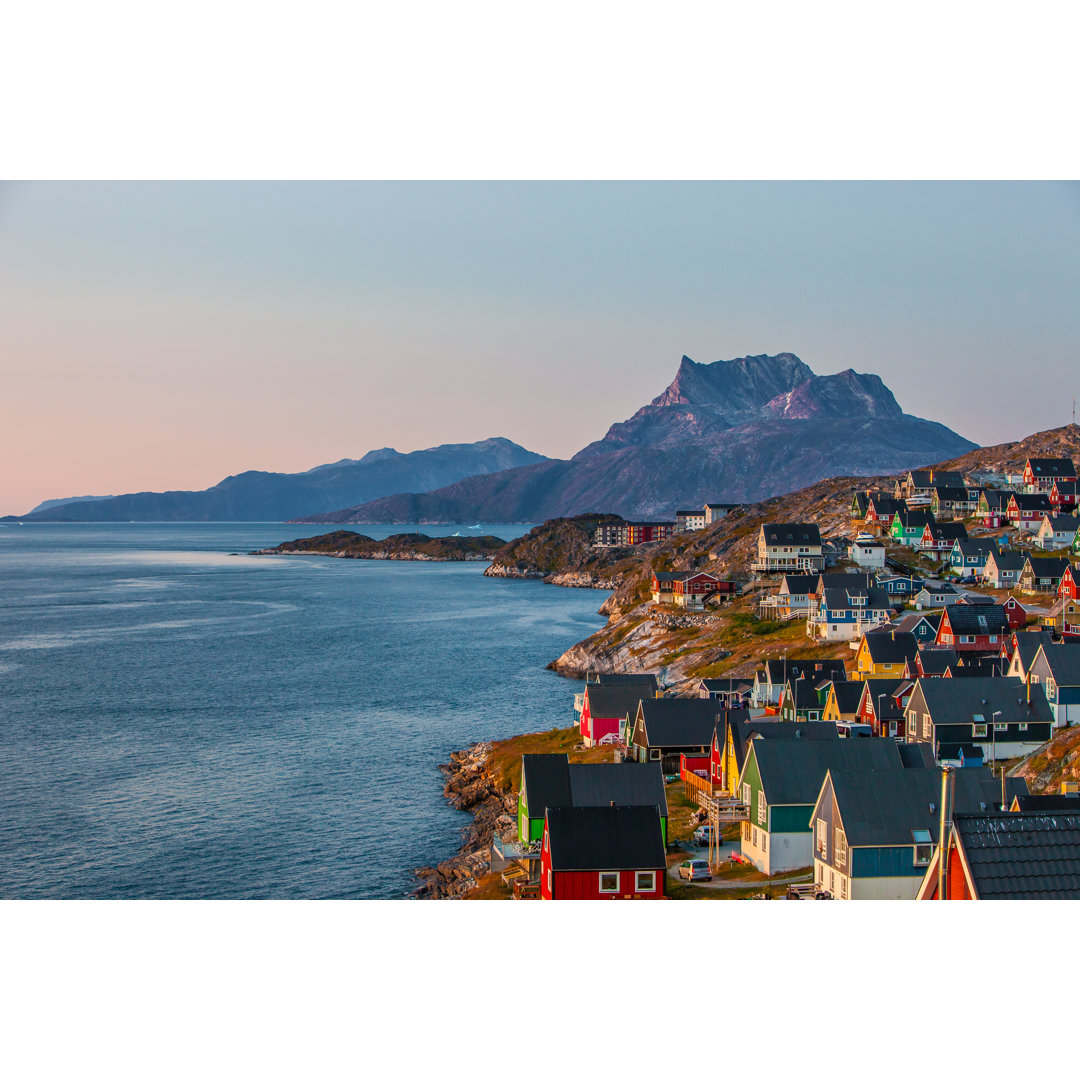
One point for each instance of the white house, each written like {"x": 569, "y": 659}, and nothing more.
{"x": 868, "y": 552}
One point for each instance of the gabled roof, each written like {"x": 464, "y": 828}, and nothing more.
{"x": 745, "y": 730}
{"x": 602, "y": 678}
{"x": 797, "y": 533}
{"x": 910, "y": 619}
{"x": 793, "y": 667}
{"x": 545, "y": 779}
{"x": 996, "y": 499}
{"x": 974, "y": 599}
{"x": 936, "y": 662}
{"x": 1063, "y": 661}
{"x": 920, "y": 477}
{"x": 948, "y": 478}
{"x": 890, "y": 646}
{"x": 944, "y": 589}
{"x": 668, "y": 575}
{"x": 1058, "y": 803}
{"x": 1028, "y": 643}
{"x": 1062, "y": 523}
{"x": 914, "y": 519}
{"x": 959, "y": 701}
{"x": 879, "y": 692}
{"x": 801, "y": 693}
{"x": 848, "y": 695}
{"x": 799, "y": 584}
{"x": 885, "y": 505}
{"x": 974, "y": 667}
{"x": 735, "y": 686}
{"x": 1035, "y": 501}
{"x": 605, "y": 838}
{"x": 1034, "y": 855}
{"x": 948, "y": 530}
{"x": 880, "y": 809}
{"x": 679, "y": 721}
{"x": 839, "y": 598}
{"x": 1007, "y": 560}
{"x": 1051, "y": 467}
{"x": 979, "y": 547}
{"x": 953, "y": 494}
{"x": 1049, "y": 567}
{"x": 626, "y": 784}
{"x": 978, "y": 619}
{"x": 792, "y": 771}
{"x": 613, "y": 701}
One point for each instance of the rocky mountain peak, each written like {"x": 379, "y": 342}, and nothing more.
{"x": 846, "y": 395}
{"x": 739, "y": 385}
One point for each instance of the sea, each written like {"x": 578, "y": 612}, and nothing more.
{"x": 182, "y": 719}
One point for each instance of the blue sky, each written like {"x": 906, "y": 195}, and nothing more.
{"x": 157, "y": 335}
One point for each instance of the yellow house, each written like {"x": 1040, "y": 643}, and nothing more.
{"x": 883, "y": 654}
{"x": 842, "y": 704}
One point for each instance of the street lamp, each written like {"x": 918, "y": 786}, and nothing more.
{"x": 993, "y": 739}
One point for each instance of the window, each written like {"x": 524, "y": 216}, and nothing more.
{"x": 764, "y": 840}
{"x": 841, "y": 847}
{"x": 912, "y": 722}
{"x": 549, "y": 883}
{"x": 761, "y": 807}
{"x": 654, "y": 755}
{"x": 746, "y": 795}
{"x": 822, "y": 838}
{"x": 998, "y": 726}
{"x": 645, "y": 881}
{"x": 609, "y": 881}
{"x": 978, "y": 731}
{"x": 746, "y": 832}
{"x": 843, "y": 888}
{"x": 832, "y": 882}
{"x": 1023, "y": 727}
{"x": 927, "y": 726}
{"x": 820, "y": 874}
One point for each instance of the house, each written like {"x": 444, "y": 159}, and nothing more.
{"x": 788, "y": 547}
{"x": 973, "y": 629}
{"x": 770, "y": 680}
{"x": 793, "y": 596}
{"x": 1015, "y": 613}
{"x": 1057, "y": 669}
{"x": 938, "y": 538}
{"x": 1069, "y": 585}
{"x": 800, "y": 701}
{"x": 935, "y": 596}
{"x": 610, "y": 534}
{"x": 663, "y": 586}
{"x": 842, "y": 703}
{"x": 968, "y": 557}
{"x": 1041, "y": 575}
{"x": 1020, "y": 649}
{"x": 605, "y": 713}
{"x": 1002, "y": 569}
{"x": 907, "y": 526}
{"x": 648, "y": 532}
{"x": 846, "y": 609}
{"x": 883, "y": 654}
{"x": 923, "y": 625}
{"x": 689, "y": 520}
{"x": 664, "y": 728}
{"x": 1065, "y": 496}
{"x": 915, "y": 487}
{"x": 1030, "y": 855}
{"x": 932, "y": 663}
{"x": 880, "y": 510}
{"x": 649, "y": 685}
{"x": 781, "y": 781}
{"x": 993, "y": 508}
{"x": 715, "y": 512}
{"x": 732, "y": 738}
{"x": 549, "y": 780}
{"x": 1002, "y": 717}
{"x": 1040, "y": 473}
{"x": 1025, "y": 512}
{"x": 947, "y": 503}
{"x": 728, "y": 693}
{"x": 897, "y": 585}
{"x": 868, "y": 552}
{"x": 1056, "y": 531}
{"x": 882, "y": 706}
{"x": 974, "y": 665}
{"x": 602, "y": 853}
{"x": 860, "y": 500}
{"x": 875, "y": 832}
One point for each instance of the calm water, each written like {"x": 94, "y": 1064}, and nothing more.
{"x": 179, "y": 722}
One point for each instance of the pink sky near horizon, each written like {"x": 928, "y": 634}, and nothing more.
{"x": 164, "y": 336}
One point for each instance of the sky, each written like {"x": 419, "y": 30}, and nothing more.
{"x": 158, "y": 336}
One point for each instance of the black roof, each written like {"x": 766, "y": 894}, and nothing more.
{"x": 744, "y": 730}
{"x": 677, "y": 722}
{"x": 977, "y": 619}
{"x": 739, "y": 685}
{"x": 976, "y": 667}
{"x": 996, "y": 499}
{"x": 1052, "y": 466}
{"x": 948, "y": 478}
{"x": 1063, "y": 522}
{"x": 914, "y": 519}
{"x": 605, "y": 838}
{"x": 1034, "y": 855}
{"x": 1063, "y": 661}
{"x": 811, "y": 668}
{"x": 890, "y": 646}
{"x": 978, "y": 546}
{"x": 792, "y": 533}
{"x": 602, "y": 678}
{"x": 948, "y": 530}
{"x": 1048, "y": 566}
{"x": 627, "y": 784}
{"x": 839, "y": 598}
{"x": 792, "y": 771}
{"x": 613, "y": 701}
{"x": 848, "y": 695}
{"x": 1036, "y": 501}
{"x": 881, "y": 808}
{"x": 910, "y": 619}
{"x": 799, "y": 584}
{"x": 936, "y": 661}
{"x": 880, "y": 693}
{"x": 1048, "y": 802}
{"x": 959, "y": 701}
{"x": 956, "y": 494}
{"x": 976, "y": 598}
{"x": 1008, "y": 560}
{"x": 545, "y": 779}
{"x": 920, "y": 477}
{"x": 1028, "y": 643}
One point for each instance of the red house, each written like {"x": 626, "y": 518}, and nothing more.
{"x": 1026, "y": 511}
{"x": 973, "y": 627}
{"x": 602, "y": 853}
{"x": 1064, "y": 496}
{"x": 1015, "y": 613}
{"x": 1040, "y": 473}
{"x": 605, "y": 711}
{"x": 648, "y": 532}
{"x": 1067, "y": 586}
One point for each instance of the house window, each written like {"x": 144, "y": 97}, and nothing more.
{"x": 746, "y": 832}
{"x": 761, "y": 807}
{"x": 1023, "y": 727}
{"x": 912, "y": 723}
{"x": 820, "y": 874}
{"x": 609, "y": 881}
{"x": 645, "y": 881}
{"x": 927, "y": 727}
{"x": 978, "y": 731}
{"x": 843, "y": 888}
{"x": 654, "y": 755}
{"x": 998, "y": 726}
{"x": 832, "y": 882}
{"x": 923, "y": 853}
{"x": 549, "y": 884}
{"x": 841, "y": 847}
{"x": 764, "y": 840}
{"x": 822, "y": 838}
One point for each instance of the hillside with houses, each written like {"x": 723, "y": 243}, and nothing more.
{"x": 863, "y": 690}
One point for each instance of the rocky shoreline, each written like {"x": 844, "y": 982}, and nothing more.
{"x": 468, "y": 787}
{"x": 381, "y": 554}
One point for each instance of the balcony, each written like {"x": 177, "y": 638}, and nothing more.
{"x": 515, "y": 851}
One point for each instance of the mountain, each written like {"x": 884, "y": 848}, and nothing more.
{"x": 49, "y": 504}
{"x": 267, "y": 496}
{"x": 731, "y": 431}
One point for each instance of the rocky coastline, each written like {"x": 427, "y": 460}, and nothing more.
{"x": 468, "y": 786}
{"x": 401, "y": 547}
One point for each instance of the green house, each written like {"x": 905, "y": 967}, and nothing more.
{"x": 907, "y": 526}
{"x": 549, "y": 780}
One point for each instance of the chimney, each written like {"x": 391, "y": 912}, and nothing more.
{"x": 944, "y": 824}
{"x": 1028, "y": 681}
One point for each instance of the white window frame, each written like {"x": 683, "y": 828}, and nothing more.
{"x": 978, "y": 731}
{"x": 649, "y": 877}
{"x": 654, "y": 755}
{"x": 822, "y": 844}
{"x": 841, "y": 847}
{"x": 762, "y": 812}
{"x": 928, "y": 854}
{"x": 608, "y": 873}
{"x": 999, "y": 726}
{"x": 1022, "y": 727}
{"x": 746, "y": 795}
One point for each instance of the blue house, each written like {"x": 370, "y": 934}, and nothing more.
{"x": 968, "y": 557}
{"x": 897, "y": 585}
{"x": 846, "y": 611}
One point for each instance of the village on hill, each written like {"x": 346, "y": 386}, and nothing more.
{"x": 891, "y": 721}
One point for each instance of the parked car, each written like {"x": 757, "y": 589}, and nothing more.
{"x": 702, "y": 834}
{"x": 695, "y": 870}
